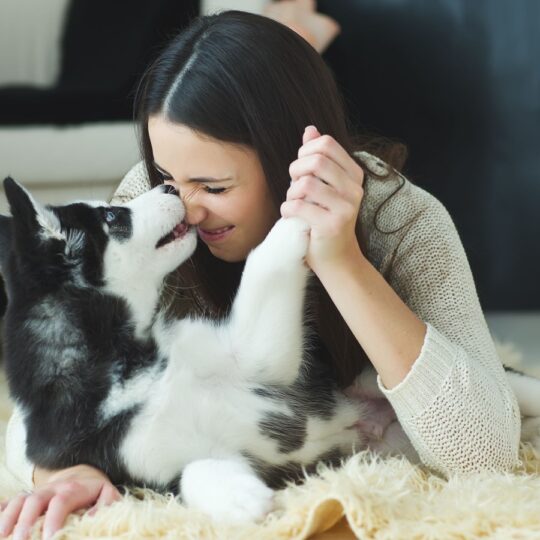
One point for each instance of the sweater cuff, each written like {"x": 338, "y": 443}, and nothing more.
{"x": 422, "y": 384}
{"x": 16, "y": 460}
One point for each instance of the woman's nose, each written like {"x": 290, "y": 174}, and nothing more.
{"x": 195, "y": 213}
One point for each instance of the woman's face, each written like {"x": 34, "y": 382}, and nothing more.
{"x": 222, "y": 185}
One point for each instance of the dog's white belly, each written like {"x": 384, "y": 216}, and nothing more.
{"x": 186, "y": 419}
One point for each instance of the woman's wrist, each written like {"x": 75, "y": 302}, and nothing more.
{"x": 40, "y": 476}
{"x": 348, "y": 263}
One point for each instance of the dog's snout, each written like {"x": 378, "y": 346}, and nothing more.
{"x": 167, "y": 188}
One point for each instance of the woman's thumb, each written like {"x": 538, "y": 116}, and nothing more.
{"x": 310, "y": 133}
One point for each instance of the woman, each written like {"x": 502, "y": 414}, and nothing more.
{"x": 244, "y": 119}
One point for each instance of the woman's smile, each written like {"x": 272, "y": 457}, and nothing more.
{"x": 215, "y": 235}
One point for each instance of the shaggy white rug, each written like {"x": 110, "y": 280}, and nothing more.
{"x": 380, "y": 499}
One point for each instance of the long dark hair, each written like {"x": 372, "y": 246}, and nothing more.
{"x": 246, "y": 79}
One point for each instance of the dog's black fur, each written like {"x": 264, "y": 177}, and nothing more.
{"x": 65, "y": 431}
{"x": 63, "y": 340}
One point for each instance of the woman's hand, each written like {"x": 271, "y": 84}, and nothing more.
{"x": 326, "y": 191}
{"x": 64, "y": 492}
{"x": 317, "y": 29}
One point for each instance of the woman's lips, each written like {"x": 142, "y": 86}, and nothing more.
{"x": 215, "y": 235}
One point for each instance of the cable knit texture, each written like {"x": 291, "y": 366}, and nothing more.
{"x": 455, "y": 404}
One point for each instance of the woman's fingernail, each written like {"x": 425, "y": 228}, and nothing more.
{"x": 47, "y": 533}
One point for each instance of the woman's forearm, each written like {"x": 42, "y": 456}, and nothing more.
{"x": 389, "y": 332}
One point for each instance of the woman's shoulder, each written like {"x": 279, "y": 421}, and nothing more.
{"x": 397, "y": 213}
{"x": 391, "y": 200}
{"x": 134, "y": 183}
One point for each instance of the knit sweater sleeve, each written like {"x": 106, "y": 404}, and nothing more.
{"x": 16, "y": 460}
{"x": 455, "y": 403}
{"x": 135, "y": 183}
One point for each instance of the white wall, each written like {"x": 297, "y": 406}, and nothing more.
{"x": 211, "y": 6}
{"x": 30, "y": 34}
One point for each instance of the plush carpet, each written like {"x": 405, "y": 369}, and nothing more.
{"x": 367, "y": 497}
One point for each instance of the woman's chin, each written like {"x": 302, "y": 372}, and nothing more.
{"x": 226, "y": 255}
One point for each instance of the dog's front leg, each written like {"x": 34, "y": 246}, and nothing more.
{"x": 265, "y": 328}
{"x": 227, "y": 490}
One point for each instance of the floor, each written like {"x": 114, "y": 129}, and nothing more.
{"x": 522, "y": 329}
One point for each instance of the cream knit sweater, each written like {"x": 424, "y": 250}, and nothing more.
{"x": 455, "y": 404}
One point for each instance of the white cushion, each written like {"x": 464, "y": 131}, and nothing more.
{"x": 64, "y": 163}
{"x": 30, "y": 35}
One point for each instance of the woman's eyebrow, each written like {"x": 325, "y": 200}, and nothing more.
{"x": 206, "y": 179}
{"x": 160, "y": 169}
{"x": 209, "y": 179}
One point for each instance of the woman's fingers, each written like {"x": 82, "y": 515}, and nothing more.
{"x": 108, "y": 495}
{"x": 312, "y": 189}
{"x": 310, "y": 133}
{"x": 11, "y": 513}
{"x": 66, "y": 491}
{"x": 70, "y": 497}
{"x": 329, "y": 147}
{"x": 321, "y": 167}
{"x": 33, "y": 507}
{"x": 310, "y": 213}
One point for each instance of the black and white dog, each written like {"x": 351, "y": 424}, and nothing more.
{"x": 219, "y": 412}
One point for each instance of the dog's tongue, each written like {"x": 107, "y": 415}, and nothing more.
{"x": 180, "y": 229}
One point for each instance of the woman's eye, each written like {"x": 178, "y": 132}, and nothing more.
{"x": 214, "y": 191}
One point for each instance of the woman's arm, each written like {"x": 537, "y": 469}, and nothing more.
{"x": 389, "y": 332}
{"x": 446, "y": 384}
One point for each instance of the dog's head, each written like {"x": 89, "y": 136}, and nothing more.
{"x": 93, "y": 244}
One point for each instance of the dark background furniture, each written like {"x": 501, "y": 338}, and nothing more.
{"x": 105, "y": 48}
{"x": 458, "y": 81}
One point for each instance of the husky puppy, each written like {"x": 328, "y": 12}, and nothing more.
{"x": 221, "y": 412}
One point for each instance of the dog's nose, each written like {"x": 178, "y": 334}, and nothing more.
{"x": 167, "y": 188}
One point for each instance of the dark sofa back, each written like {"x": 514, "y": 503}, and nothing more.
{"x": 105, "y": 48}
{"x": 459, "y": 82}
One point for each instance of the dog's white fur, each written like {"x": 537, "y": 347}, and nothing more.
{"x": 203, "y": 403}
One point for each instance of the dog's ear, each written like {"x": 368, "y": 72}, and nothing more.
{"x": 5, "y": 240}
{"x": 30, "y": 217}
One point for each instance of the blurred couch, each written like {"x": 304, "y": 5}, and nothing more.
{"x": 67, "y": 89}
{"x": 457, "y": 80}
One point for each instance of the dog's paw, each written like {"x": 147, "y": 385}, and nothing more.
{"x": 227, "y": 491}
{"x": 288, "y": 239}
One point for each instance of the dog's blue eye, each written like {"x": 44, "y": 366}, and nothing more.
{"x": 110, "y": 216}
